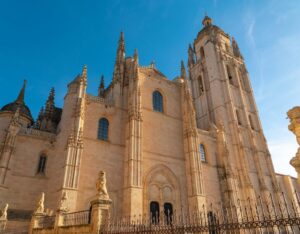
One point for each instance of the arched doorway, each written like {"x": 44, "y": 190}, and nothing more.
{"x": 161, "y": 194}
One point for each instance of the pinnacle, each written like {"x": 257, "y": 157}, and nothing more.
{"x": 20, "y": 98}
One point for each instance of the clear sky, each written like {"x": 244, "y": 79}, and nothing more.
{"x": 47, "y": 42}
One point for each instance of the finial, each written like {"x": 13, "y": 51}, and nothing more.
{"x": 136, "y": 55}
{"x": 152, "y": 64}
{"x": 191, "y": 60}
{"x": 20, "y": 98}
{"x": 207, "y": 21}
{"x": 121, "y": 45}
{"x": 101, "y": 88}
{"x": 102, "y": 81}
{"x": 84, "y": 72}
{"x": 183, "y": 72}
{"x": 122, "y": 36}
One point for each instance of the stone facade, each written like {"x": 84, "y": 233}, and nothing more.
{"x": 204, "y": 144}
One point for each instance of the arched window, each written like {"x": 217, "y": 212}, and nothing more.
{"x": 42, "y": 164}
{"x": 157, "y": 100}
{"x": 202, "y": 153}
{"x": 154, "y": 212}
{"x": 103, "y": 129}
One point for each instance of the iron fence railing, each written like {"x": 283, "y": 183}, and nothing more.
{"x": 77, "y": 218}
{"x": 260, "y": 215}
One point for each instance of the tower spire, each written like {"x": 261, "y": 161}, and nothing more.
{"x": 49, "y": 107}
{"x": 182, "y": 70}
{"x": 20, "y": 98}
{"x": 191, "y": 60}
{"x": 136, "y": 56}
{"x": 84, "y": 72}
{"x": 119, "y": 63}
{"x": 101, "y": 87}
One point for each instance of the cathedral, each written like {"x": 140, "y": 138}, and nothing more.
{"x": 164, "y": 144}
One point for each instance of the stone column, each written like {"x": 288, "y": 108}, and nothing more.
{"x": 294, "y": 116}
{"x": 100, "y": 205}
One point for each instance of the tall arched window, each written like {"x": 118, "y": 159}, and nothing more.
{"x": 103, "y": 129}
{"x": 157, "y": 101}
{"x": 42, "y": 164}
{"x": 202, "y": 153}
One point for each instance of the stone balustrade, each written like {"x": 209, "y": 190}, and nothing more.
{"x": 97, "y": 99}
{"x": 37, "y": 133}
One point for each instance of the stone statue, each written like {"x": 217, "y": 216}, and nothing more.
{"x": 40, "y": 205}
{"x": 63, "y": 206}
{"x": 101, "y": 186}
{"x": 4, "y": 212}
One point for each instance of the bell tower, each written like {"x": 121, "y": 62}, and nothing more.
{"x": 224, "y": 99}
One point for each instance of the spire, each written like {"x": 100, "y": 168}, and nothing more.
{"x": 136, "y": 56}
{"x": 121, "y": 46}
{"x": 49, "y": 107}
{"x": 191, "y": 60}
{"x": 20, "y": 98}
{"x": 119, "y": 63}
{"x": 121, "y": 49}
{"x": 183, "y": 72}
{"x": 84, "y": 72}
{"x": 101, "y": 88}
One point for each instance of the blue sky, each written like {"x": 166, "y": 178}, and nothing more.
{"x": 47, "y": 42}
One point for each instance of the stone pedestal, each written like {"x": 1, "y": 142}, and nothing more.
{"x": 2, "y": 224}
{"x": 35, "y": 221}
{"x": 100, "y": 213}
{"x": 294, "y": 116}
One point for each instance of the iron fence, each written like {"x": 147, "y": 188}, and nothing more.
{"x": 77, "y": 218}
{"x": 260, "y": 215}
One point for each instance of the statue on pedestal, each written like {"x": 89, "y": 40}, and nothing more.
{"x": 101, "y": 186}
